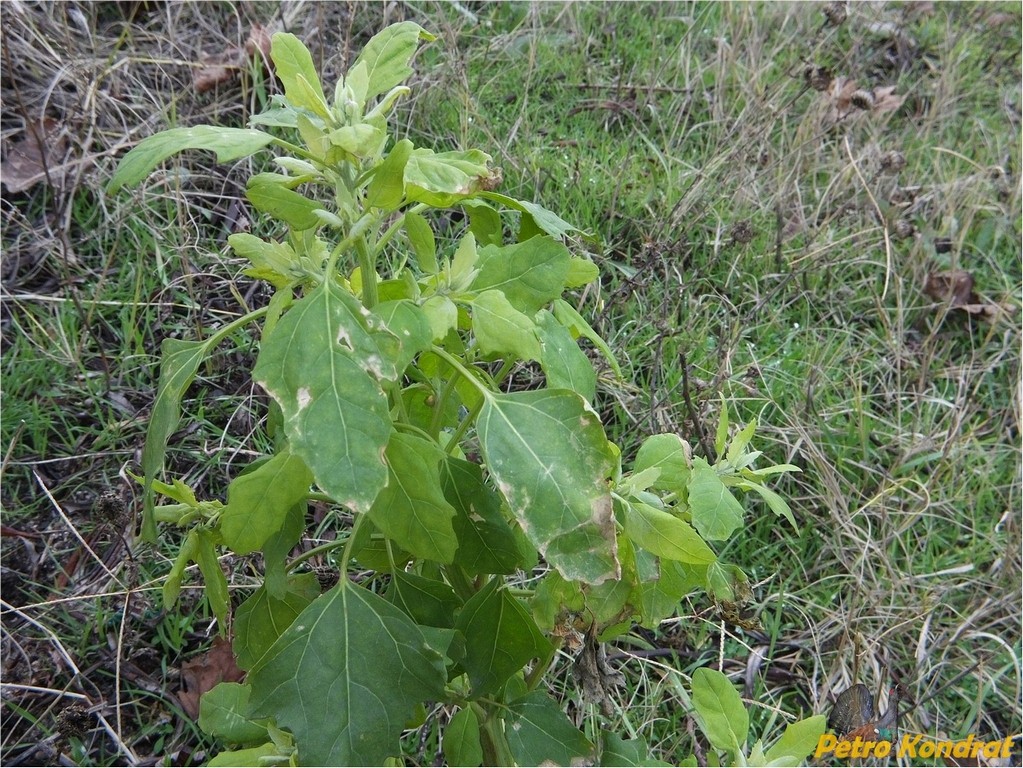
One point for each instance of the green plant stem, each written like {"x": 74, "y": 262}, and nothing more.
{"x": 319, "y": 551}
{"x": 496, "y": 750}
{"x": 537, "y": 672}
{"x": 392, "y": 230}
{"x": 369, "y": 273}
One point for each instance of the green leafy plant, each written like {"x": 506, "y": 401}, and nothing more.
{"x": 387, "y": 355}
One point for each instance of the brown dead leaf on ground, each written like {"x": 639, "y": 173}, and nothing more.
{"x": 224, "y": 67}
{"x": 847, "y": 97}
{"x": 955, "y": 289}
{"x": 203, "y": 672}
{"x": 38, "y": 154}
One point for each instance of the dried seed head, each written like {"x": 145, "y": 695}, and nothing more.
{"x": 862, "y": 99}
{"x": 327, "y": 576}
{"x": 818, "y": 78}
{"x": 835, "y": 13}
{"x": 742, "y": 232}
{"x": 892, "y": 162}
{"x": 73, "y": 721}
{"x": 903, "y": 229}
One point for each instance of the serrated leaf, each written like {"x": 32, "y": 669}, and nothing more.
{"x": 257, "y": 502}
{"x": 339, "y": 431}
{"x": 387, "y": 55}
{"x": 500, "y": 638}
{"x": 179, "y": 364}
{"x": 720, "y": 711}
{"x": 616, "y": 751}
{"x": 665, "y": 535}
{"x": 346, "y": 676}
{"x": 486, "y": 543}
{"x": 550, "y": 458}
{"x": 293, "y": 65}
{"x": 715, "y": 511}
{"x": 284, "y": 204}
{"x": 501, "y": 329}
{"x": 440, "y": 179}
{"x": 668, "y": 453}
{"x": 547, "y": 221}
{"x": 262, "y": 618}
{"x": 270, "y": 261}
{"x": 421, "y": 238}
{"x": 563, "y": 363}
{"x": 529, "y": 274}
{"x": 539, "y": 733}
{"x": 412, "y": 509}
{"x": 221, "y": 714}
{"x": 428, "y": 602}
{"x": 462, "y": 739}
{"x": 799, "y": 739}
{"x": 228, "y": 143}
{"x": 387, "y": 188}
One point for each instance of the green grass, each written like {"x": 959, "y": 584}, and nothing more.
{"x": 736, "y": 227}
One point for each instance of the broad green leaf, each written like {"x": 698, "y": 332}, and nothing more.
{"x": 243, "y": 758}
{"x": 270, "y": 261}
{"x": 463, "y": 264}
{"x": 375, "y": 552}
{"x": 262, "y": 618}
{"x": 777, "y": 504}
{"x": 564, "y": 364}
{"x": 461, "y": 742}
{"x": 284, "y": 204}
{"x": 442, "y": 315}
{"x": 539, "y": 733}
{"x": 441, "y": 178}
{"x": 346, "y": 676}
{"x": 293, "y": 65}
{"x": 668, "y": 453}
{"x": 547, "y": 221}
{"x": 529, "y": 274}
{"x": 608, "y": 603}
{"x": 213, "y": 576}
{"x": 577, "y": 326}
{"x": 486, "y": 543}
{"x": 484, "y": 222}
{"x": 362, "y": 140}
{"x": 412, "y": 509}
{"x": 277, "y": 548}
{"x": 660, "y": 598}
{"x": 428, "y": 602}
{"x": 339, "y": 431}
{"x": 716, "y": 512}
{"x": 501, "y": 329}
{"x": 387, "y": 55}
{"x": 799, "y": 739}
{"x": 719, "y": 710}
{"x": 228, "y": 143}
{"x": 278, "y": 114}
{"x": 500, "y": 638}
{"x": 738, "y": 445}
{"x": 221, "y": 714}
{"x": 387, "y": 188}
{"x": 554, "y": 599}
{"x": 665, "y": 535}
{"x": 725, "y": 581}
{"x": 420, "y": 237}
{"x": 179, "y": 363}
{"x": 581, "y": 272}
{"x": 406, "y": 331}
{"x": 617, "y": 751}
{"x": 550, "y": 459}
{"x": 172, "y": 585}
{"x": 257, "y": 502}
